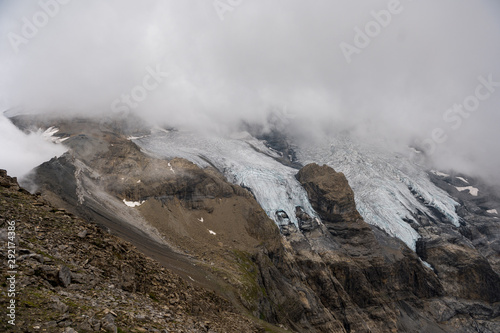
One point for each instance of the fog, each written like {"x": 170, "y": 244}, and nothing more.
{"x": 208, "y": 65}
{"x": 20, "y": 152}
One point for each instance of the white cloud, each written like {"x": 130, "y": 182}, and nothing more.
{"x": 269, "y": 54}
{"x": 20, "y": 152}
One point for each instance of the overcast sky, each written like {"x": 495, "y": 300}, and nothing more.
{"x": 240, "y": 59}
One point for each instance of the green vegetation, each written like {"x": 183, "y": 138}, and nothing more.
{"x": 252, "y": 291}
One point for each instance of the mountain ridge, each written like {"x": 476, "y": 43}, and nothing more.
{"x": 321, "y": 272}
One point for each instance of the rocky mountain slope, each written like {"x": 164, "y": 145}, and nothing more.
{"x": 316, "y": 268}
{"x": 73, "y": 276}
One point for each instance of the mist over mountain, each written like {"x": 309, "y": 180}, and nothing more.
{"x": 388, "y": 71}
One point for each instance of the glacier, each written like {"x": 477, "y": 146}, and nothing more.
{"x": 389, "y": 188}
{"x": 243, "y": 160}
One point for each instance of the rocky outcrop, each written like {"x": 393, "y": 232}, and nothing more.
{"x": 468, "y": 257}
{"x": 7, "y": 181}
{"x": 329, "y": 193}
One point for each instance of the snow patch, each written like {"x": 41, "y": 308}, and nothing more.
{"x": 171, "y": 169}
{"x": 157, "y": 129}
{"x": 463, "y": 179}
{"x": 440, "y": 174}
{"x": 415, "y": 151}
{"x": 426, "y": 264}
{"x": 136, "y": 137}
{"x": 200, "y": 219}
{"x": 492, "y": 211}
{"x": 472, "y": 190}
{"x": 212, "y": 232}
{"x": 49, "y": 133}
{"x": 133, "y": 203}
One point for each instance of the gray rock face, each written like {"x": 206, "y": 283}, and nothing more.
{"x": 64, "y": 276}
{"x": 108, "y": 323}
{"x": 58, "y": 305}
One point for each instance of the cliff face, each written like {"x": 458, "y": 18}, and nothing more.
{"x": 337, "y": 274}
{"x": 346, "y": 277}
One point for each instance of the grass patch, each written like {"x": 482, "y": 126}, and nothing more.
{"x": 153, "y": 297}
{"x": 251, "y": 291}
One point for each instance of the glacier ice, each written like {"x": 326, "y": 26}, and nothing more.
{"x": 243, "y": 160}
{"x": 389, "y": 189}
{"x": 385, "y": 184}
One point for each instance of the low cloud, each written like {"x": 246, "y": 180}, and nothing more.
{"x": 21, "y": 152}
{"x": 266, "y": 55}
